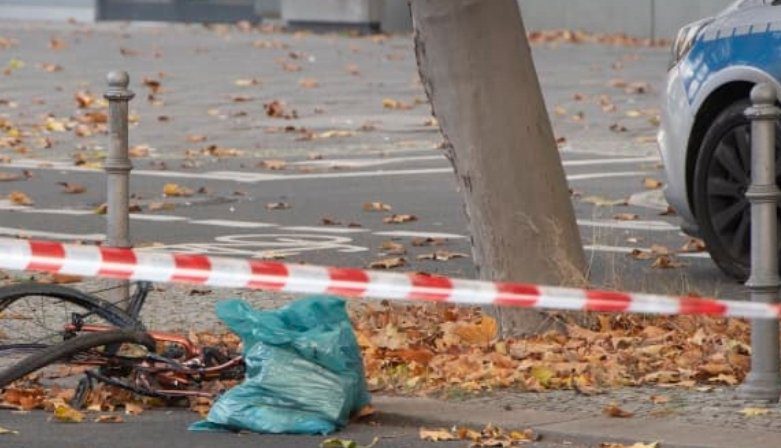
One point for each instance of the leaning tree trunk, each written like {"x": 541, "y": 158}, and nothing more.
{"x": 476, "y": 65}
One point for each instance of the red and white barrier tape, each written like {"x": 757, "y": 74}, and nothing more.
{"x": 95, "y": 261}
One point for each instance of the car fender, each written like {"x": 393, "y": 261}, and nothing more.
{"x": 737, "y": 73}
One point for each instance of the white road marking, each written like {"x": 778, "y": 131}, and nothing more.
{"x": 629, "y": 250}
{"x": 237, "y": 224}
{"x": 9, "y": 231}
{"x": 615, "y": 161}
{"x": 56, "y": 211}
{"x": 249, "y": 177}
{"x": 157, "y": 218}
{"x": 327, "y": 229}
{"x": 406, "y": 234}
{"x": 655, "y": 226}
{"x": 593, "y": 176}
{"x": 363, "y": 163}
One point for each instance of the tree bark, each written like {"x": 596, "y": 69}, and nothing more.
{"x": 477, "y": 69}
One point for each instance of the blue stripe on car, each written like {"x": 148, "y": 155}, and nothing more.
{"x": 759, "y": 50}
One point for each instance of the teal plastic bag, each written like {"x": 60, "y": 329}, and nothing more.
{"x": 304, "y": 369}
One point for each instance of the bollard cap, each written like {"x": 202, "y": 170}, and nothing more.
{"x": 118, "y": 82}
{"x": 764, "y": 93}
{"x": 118, "y": 79}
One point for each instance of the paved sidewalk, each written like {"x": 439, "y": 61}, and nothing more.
{"x": 579, "y": 427}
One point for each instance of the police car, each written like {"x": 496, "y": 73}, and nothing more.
{"x": 705, "y": 136}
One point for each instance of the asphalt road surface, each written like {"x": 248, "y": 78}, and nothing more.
{"x": 214, "y": 84}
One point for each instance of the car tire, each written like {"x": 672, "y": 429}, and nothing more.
{"x": 721, "y": 177}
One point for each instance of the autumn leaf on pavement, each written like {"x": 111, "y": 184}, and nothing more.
{"x": 613, "y": 410}
{"x": 659, "y": 399}
{"x": 437, "y": 435}
{"x": 247, "y": 82}
{"x": 133, "y": 408}
{"x": 399, "y": 219}
{"x": 388, "y": 263}
{"x": 66, "y": 414}
{"x": 176, "y": 190}
{"x": 666, "y": 262}
{"x": 389, "y": 103}
{"x": 652, "y": 184}
{"x": 694, "y": 245}
{"x": 346, "y": 443}
{"x": 196, "y": 138}
{"x": 754, "y": 412}
{"x": 635, "y": 445}
{"x": 273, "y": 164}
{"x": 109, "y": 419}
{"x": 428, "y": 241}
{"x": 70, "y": 188}
{"x": 626, "y": 217}
{"x": 84, "y": 99}
{"x": 308, "y": 83}
{"x": 20, "y": 198}
{"x": 376, "y": 207}
{"x": 393, "y": 248}
{"x": 277, "y": 206}
{"x": 477, "y": 334}
{"x": 352, "y": 69}
{"x": 10, "y": 177}
{"x": 139, "y": 151}
{"x": 600, "y": 201}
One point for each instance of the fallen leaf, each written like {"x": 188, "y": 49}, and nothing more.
{"x": 389, "y": 103}
{"x": 157, "y": 206}
{"x": 626, "y": 217}
{"x": 754, "y": 412}
{"x": 338, "y": 443}
{"x": 659, "y": 399}
{"x": 442, "y": 255}
{"x": 393, "y": 248}
{"x": 666, "y": 262}
{"x": 437, "y": 435}
{"x": 84, "y": 99}
{"x": 110, "y": 419}
{"x": 66, "y": 414}
{"x": 353, "y": 69}
{"x": 70, "y": 188}
{"x": 308, "y": 83}
{"x": 196, "y": 138}
{"x": 399, "y": 219}
{"x": 10, "y": 177}
{"x": 20, "y": 198}
{"x": 694, "y": 245}
{"x": 133, "y": 408}
{"x": 6, "y": 431}
{"x": 388, "y": 263}
{"x": 247, "y": 82}
{"x": 175, "y": 190}
{"x": 428, "y": 241}
{"x": 376, "y": 207}
{"x": 652, "y": 184}
{"x": 274, "y": 165}
{"x": 140, "y": 151}
{"x": 277, "y": 206}
{"x": 600, "y": 201}
{"x": 57, "y": 44}
{"x": 613, "y": 410}
{"x": 635, "y": 445}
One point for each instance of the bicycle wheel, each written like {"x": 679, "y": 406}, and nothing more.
{"x": 89, "y": 348}
{"x": 35, "y": 316}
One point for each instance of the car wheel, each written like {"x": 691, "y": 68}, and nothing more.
{"x": 721, "y": 178}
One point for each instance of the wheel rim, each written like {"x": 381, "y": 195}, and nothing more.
{"x": 729, "y": 177}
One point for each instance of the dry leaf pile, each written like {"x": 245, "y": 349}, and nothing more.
{"x": 436, "y": 348}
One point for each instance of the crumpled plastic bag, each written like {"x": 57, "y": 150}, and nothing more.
{"x": 304, "y": 370}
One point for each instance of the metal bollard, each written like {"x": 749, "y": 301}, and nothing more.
{"x": 118, "y": 168}
{"x": 764, "y": 380}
